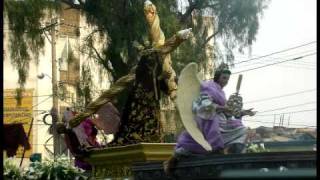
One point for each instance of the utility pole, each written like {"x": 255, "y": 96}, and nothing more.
{"x": 55, "y": 100}
{"x": 282, "y": 120}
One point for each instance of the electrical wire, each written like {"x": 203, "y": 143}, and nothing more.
{"x": 276, "y": 58}
{"x": 292, "y": 112}
{"x": 277, "y": 52}
{"x": 276, "y": 97}
{"x": 28, "y": 96}
{"x": 293, "y": 59}
{"x": 267, "y": 122}
{"x": 306, "y": 66}
{"x": 281, "y": 108}
{"x": 41, "y": 102}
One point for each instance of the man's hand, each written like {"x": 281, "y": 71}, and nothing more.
{"x": 248, "y": 112}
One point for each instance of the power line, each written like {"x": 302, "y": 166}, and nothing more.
{"x": 285, "y": 95}
{"x": 276, "y": 52}
{"x": 27, "y": 96}
{"x": 275, "y": 58}
{"x": 304, "y": 125}
{"x": 293, "y": 112}
{"x": 307, "y": 65}
{"x": 293, "y": 59}
{"x": 288, "y": 107}
{"x": 41, "y": 102}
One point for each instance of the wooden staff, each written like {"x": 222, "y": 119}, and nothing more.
{"x": 24, "y": 148}
{"x": 239, "y": 84}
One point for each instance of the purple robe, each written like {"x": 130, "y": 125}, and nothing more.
{"x": 215, "y": 128}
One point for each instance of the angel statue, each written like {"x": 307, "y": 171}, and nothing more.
{"x": 213, "y": 124}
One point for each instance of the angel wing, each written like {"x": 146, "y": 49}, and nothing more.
{"x": 188, "y": 91}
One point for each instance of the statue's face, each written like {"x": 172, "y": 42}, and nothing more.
{"x": 223, "y": 79}
{"x": 150, "y": 13}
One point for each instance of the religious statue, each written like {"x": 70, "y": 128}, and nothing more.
{"x": 213, "y": 124}
{"x": 152, "y": 75}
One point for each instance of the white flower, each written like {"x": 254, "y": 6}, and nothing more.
{"x": 282, "y": 168}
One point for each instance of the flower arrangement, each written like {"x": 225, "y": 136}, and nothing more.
{"x": 256, "y": 148}
{"x": 48, "y": 169}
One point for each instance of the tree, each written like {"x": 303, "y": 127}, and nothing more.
{"x": 236, "y": 23}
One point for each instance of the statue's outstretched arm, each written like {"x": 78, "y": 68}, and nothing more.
{"x": 105, "y": 97}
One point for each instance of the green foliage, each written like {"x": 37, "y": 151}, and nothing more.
{"x": 25, "y": 39}
{"x": 236, "y": 23}
{"x": 11, "y": 171}
{"x": 256, "y": 148}
{"x": 84, "y": 87}
{"x": 48, "y": 169}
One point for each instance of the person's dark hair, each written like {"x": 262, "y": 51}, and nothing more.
{"x": 217, "y": 74}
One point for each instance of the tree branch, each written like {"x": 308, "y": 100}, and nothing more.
{"x": 193, "y": 6}
{"x": 210, "y": 37}
{"x": 92, "y": 33}
{"x": 110, "y": 72}
{"x": 100, "y": 58}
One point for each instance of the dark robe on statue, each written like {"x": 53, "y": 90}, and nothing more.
{"x": 140, "y": 120}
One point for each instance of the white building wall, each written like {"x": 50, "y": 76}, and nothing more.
{"x": 41, "y": 87}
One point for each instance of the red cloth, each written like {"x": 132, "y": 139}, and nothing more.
{"x": 91, "y": 132}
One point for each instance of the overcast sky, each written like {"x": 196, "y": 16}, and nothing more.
{"x": 285, "y": 24}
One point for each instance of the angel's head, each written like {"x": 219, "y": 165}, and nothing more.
{"x": 222, "y": 75}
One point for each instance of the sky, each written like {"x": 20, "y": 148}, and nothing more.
{"x": 285, "y": 24}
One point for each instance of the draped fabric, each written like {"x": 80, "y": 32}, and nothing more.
{"x": 14, "y": 136}
{"x": 220, "y": 131}
{"x": 108, "y": 119}
{"x": 88, "y": 133}
{"x": 139, "y": 122}
{"x": 76, "y": 150}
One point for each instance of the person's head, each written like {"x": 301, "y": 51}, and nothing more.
{"x": 150, "y": 12}
{"x": 222, "y": 75}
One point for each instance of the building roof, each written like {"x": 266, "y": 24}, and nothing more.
{"x": 281, "y": 134}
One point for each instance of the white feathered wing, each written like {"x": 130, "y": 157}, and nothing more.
{"x": 188, "y": 91}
